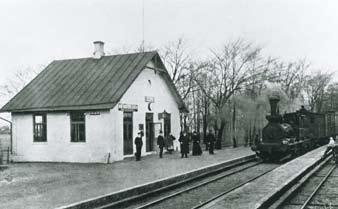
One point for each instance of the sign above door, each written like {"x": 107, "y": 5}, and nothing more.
{"x": 127, "y": 107}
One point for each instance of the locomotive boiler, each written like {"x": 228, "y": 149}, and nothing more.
{"x": 293, "y": 134}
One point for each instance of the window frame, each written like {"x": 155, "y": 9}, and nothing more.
{"x": 77, "y": 123}
{"x": 43, "y": 138}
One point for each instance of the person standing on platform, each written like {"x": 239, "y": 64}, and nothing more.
{"x": 160, "y": 143}
{"x": 184, "y": 140}
{"x": 206, "y": 142}
{"x": 196, "y": 148}
{"x": 138, "y": 142}
{"x": 211, "y": 139}
{"x": 331, "y": 146}
{"x": 170, "y": 143}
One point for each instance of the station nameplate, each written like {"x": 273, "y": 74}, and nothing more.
{"x": 127, "y": 107}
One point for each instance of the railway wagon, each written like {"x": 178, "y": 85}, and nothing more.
{"x": 295, "y": 133}
{"x": 330, "y": 121}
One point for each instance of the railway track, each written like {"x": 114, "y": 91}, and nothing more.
{"x": 316, "y": 190}
{"x": 198, "y": 192}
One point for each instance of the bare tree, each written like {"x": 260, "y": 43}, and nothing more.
{"x": 179, "y": 65}
{"x": 16, "y": 82}
{"x": 291, "y": 77}
{"x": 175, "y": 56}
{"x": 315, "y": 89}
{"x": 229, "y": 70}
{"x": 331, "y": 98}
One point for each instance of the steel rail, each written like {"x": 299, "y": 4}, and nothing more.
{"x": 205, "y": 183}
{"x": 155, "y": 202}
{"x": 318, "y": 187}
{"x": 175, "y": 185}
{"x": 290, "y": 192}
{"x": 228, "y": 191}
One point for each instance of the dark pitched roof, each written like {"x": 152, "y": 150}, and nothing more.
{"x": 85, "y": 83}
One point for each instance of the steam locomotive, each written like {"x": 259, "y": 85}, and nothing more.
{"x": 293, "y": 134}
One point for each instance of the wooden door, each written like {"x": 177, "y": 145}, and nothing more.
{"x": 127, "y": 133}
{"x": 149, "y": 132}
{"x": 167, "y": 124}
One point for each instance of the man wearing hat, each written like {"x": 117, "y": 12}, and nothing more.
{"x": 160, "y": 143}
{"x": 138, "y": 143}
{"x": 211, "y": 139}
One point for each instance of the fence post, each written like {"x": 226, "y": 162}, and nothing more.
{"x": 7, "y": 155}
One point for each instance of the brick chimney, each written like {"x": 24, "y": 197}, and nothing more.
{"x": 98, "y": 49}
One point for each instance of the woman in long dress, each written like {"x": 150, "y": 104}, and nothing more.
{"x": 170, "y": 143}
{"x": 196, "y": 148}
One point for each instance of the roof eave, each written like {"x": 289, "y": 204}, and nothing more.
{"x": 62, "y": 108}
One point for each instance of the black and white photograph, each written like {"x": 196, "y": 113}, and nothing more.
{"x": 168, "y": 104}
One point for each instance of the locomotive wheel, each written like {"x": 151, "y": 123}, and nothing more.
{"x": 295, "y": 153}
{"x": 263, "y": 155}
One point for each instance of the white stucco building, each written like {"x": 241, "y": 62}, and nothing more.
{"x": 91, "y": 109}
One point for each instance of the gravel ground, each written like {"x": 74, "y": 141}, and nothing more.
{"x": 50, "y": 185}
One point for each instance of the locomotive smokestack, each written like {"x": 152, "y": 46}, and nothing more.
{"x": 274, "y": 99}
{"x": 274, "y": 117}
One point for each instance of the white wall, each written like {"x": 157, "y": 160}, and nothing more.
{"x": 104, "y": 132}
{"x": 164, "y": 100}
{"x": 58, "y": 147}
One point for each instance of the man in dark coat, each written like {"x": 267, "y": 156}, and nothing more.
{"x": 211, "y": 139}
{"x": 184, "y": 141}
{"x": 138, "y": 143}
{"x": 196, "y": 148}
{"x": 160, "y": 143}
{"x": 206, "y": 142}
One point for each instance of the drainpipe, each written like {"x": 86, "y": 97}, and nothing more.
{"x": 108, "y": 158}
{"x": 11, "y": 133}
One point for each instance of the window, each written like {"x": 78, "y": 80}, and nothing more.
{"x": 39, "y": 128}
{"x": 78, "y": 127}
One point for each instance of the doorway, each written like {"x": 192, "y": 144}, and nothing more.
{"x": 167, "y": 124}
{"x": 127, "y": 133}
{"x": 149, "y": 132}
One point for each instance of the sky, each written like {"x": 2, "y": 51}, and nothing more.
{"x": 36, "y": 32}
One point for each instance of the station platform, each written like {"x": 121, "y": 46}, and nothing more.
{"x": 51, "y": 185}
{"x": 259, "y": 192}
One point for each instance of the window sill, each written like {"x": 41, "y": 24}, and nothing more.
{"x": 40, "y": 143}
